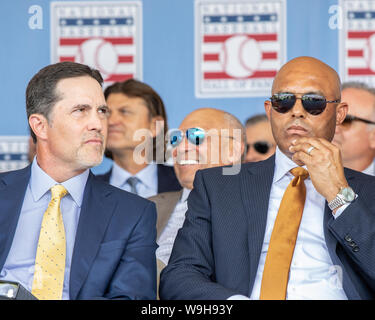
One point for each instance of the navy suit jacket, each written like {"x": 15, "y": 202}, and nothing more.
{"x": 167, "y": 180}
{"x": 216, "y": 253}
{"x": 114, "y": 250}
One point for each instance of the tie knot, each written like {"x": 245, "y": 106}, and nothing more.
{"x": 132, "y": 181}
{"x": 300, "y": 172}
{"x": 58, "y": 191}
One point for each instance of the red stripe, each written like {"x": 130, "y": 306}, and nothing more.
{"x": 257, "y": 37}
{"x": 360, "y": 71}
{"x": 211, "y": 57}
{"x": 79, "y": 41}
{"x": 360, "y": 34}
{"x": 223, "y": 75}
{"x": 269, "y": 55}
{"x": 71, "y": 59}
{"x": 125, "y": 59}
{"x": 355, "y": 53}
{"x": 119, "y": 77}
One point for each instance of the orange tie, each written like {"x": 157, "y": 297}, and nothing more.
{"x": 283, "y": 238}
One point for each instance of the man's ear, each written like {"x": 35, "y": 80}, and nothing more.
{"x": 39, "y": 125}
{"x": 267, "y": 108}
{"x": 157, "y": 125}
{"x": 341, "y": 112}
{"x": 371, "y": 137}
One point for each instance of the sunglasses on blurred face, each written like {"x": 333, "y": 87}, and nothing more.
{"x": 349, "y": 120}
{"x": 313, "y": 103}
{"x": 261, "y": 147}
{"x": 195, "y": 136}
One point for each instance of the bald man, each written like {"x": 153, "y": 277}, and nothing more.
{"x": 356, "y": 135}
{"x": 218, "y": 139}
{"x": 295, "y": 226}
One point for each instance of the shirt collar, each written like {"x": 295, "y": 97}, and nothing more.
{"x": 146, "y": 175}
{"x": 41, "y": 182}
{"x": 283, "y": 165}
{"x": 370, "y": 169}
{"x": 185, "y": 194}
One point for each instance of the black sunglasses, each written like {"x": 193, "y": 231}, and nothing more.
{"x": 261, "y": 147}
{"x": 311, "y": 102}
{"x": 349, "y": 119}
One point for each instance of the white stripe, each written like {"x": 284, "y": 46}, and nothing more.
{"x": 356, "y": 44}
{"x": 271, "y": 64}
{"x": 212, "y": 66}
{"x": 216, "y": 47}
{"x": 356, "y": 63}
{"x": 125, "y": 50}
{"x": 125, "y": 68}
{"x": 67, "y": 51}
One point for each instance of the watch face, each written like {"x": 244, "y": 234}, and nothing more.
{"x": 348, "y": 194}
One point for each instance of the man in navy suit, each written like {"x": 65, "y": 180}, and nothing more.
{"x": 221, "y": 250}
{"x": 137, "y": 119}
{"x": 109, "y": 233}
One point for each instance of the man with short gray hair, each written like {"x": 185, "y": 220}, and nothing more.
{"x": 356, "y": 135}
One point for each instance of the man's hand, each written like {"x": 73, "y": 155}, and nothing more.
{"x": 323, "y": 163}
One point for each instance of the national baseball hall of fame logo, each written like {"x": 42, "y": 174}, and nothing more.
{"x": 357, "y": 41}
{"x": 102, "y": 34}
{"x": 239, "y": 46}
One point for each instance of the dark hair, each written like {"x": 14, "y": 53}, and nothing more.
{"x": 41, "y": 93}
{"x": 155, "y": 105}
{"x": 256, "y": 119}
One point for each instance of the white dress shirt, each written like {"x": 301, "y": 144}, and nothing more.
{"x": 312, "y": 274}
{"x": 175, "y": 222}
{"x": 148, "y": 176}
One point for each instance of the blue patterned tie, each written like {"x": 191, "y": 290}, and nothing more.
{"x": 132, "y": 182}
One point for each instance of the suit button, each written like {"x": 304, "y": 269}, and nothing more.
{"x": 348, "y": 238}
{"x": 352, "y": 244}
{"x": 355, "y": 249}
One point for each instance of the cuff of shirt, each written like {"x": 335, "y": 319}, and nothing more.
{"x": 340, "y": 210}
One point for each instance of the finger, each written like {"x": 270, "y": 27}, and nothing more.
{"x": 305, "y": 144}
{"x": 303, "y": 157}
{"x": 308, "y": 140}
{"x": 303, "y": 147}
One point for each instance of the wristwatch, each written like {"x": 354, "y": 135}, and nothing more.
{"x": 345, "y": 195}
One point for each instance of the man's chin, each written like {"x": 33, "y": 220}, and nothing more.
{"x": 90, "y": 159}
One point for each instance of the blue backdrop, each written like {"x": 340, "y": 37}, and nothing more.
{"x": 168, "y": 55}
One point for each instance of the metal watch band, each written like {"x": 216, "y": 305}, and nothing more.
{"x": 335, "y": 203}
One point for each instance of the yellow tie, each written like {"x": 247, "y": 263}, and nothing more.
{"x": 283, "y": 238}
{"x": 50, "y": 256}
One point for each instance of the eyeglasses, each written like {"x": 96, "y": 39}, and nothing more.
{"x": 349, "y": 119}
{"x": 313, "y": 103}
{"x": 194, "y": 135}
{"x": 261, "y": 147}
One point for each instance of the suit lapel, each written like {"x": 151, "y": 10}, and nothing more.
{"x": 256, "y": 185}
{"x": 165, "y": 207}
{"x": 12, "y": 192}
{"x": 96, "y": 212}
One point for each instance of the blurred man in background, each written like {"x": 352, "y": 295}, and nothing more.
{"x": 135, "y": 108}
{"x": 356, "y": 135}
{"x": 260, "y": 142}
{"x": 194, "y": 147}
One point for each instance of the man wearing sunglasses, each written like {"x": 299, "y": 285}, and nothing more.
{"x": 260, "y": 142}
{"x": 356, "y": 135}
{"x": 203, "y": 134}
{"x": 295, "y": 226}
